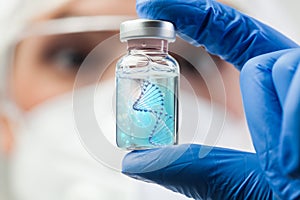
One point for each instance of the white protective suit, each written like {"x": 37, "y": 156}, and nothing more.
{"x": 49, "y": 161}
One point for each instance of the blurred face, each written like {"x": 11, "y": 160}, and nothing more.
{"x": 46, "y": 66}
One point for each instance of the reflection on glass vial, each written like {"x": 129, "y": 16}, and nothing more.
{"x": 147, "y": 87}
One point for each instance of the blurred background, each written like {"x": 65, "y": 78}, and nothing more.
{"x": 41, "y": 157}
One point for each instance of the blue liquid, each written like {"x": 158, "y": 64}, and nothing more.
{"x": 146, "y": 112}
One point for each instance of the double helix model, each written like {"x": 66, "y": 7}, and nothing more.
{"x": 151, "y": 100}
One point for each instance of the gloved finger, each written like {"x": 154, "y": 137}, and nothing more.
{"x": 262, "y": 106}
{"x": 221, "y": 29}
{"x": 264, "y": 115}
{"x": 283, "y": 72}
{"x": 290, "y": 135}
{"x": 222, "y": 174}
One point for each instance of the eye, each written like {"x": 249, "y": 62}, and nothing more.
{"x": 67, "y": 58}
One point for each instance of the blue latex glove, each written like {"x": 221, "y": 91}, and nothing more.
{"x": 222, "y": 30}
{"x": 270, "y": 84}
{"x": 222, "y": 174}
{"x": 271, "y": 97}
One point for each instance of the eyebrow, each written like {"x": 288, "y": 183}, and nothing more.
{"x": 63, "y": 11}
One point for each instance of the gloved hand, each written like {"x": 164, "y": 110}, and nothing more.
{"x": 270, "y": 86}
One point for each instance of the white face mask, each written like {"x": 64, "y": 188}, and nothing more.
{"x": 210, "y": 124}
{"x": 49, "y": 161}
{"x": 207, "y": 122}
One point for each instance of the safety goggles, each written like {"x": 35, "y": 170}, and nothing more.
{"x": 61, "y": 45}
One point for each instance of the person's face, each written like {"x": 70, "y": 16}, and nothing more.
{"x": 46, "y": 66}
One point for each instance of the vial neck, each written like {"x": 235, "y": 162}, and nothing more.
{"x": 148, "y": 46}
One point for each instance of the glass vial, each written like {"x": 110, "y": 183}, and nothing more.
{"x": 147, "y": 86}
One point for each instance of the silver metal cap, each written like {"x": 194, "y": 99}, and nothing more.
{"x": 145, "y": 28}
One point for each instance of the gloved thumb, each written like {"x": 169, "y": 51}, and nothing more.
{"x": 222, "y": 174}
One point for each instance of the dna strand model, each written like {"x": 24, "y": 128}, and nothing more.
{"x": 151, "y": 100}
